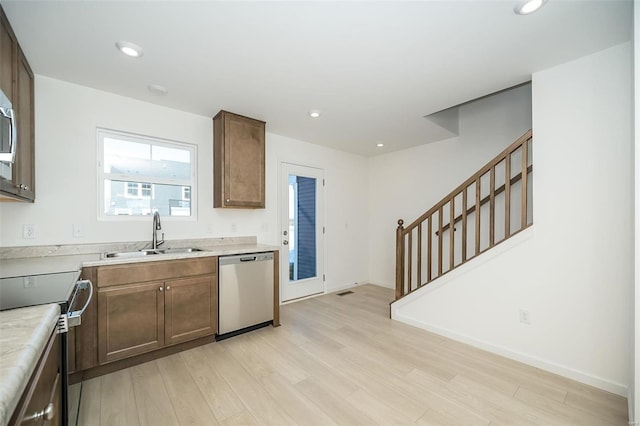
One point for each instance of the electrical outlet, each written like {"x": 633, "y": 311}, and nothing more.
{"x": 525, "y": 316}
{"x": 28, "y": 231}
{"x": 28, "y": 282}
{"x": 77, "y": 231}
{"x": 234, "y": 227}
{"x": 264, "y": 227}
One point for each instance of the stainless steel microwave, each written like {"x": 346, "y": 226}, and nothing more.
{"x": 8, "y": 134}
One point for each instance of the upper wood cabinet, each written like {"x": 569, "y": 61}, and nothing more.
{"x": 238, "y": 161}
{"x": 17, "y": 180}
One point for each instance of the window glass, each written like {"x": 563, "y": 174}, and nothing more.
{"x": 141, "y": 175}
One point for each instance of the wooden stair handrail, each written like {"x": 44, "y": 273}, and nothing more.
{"x": 499, "y": 190}
{"x": 435, "y": 267}
{"x": 486, "y": 168}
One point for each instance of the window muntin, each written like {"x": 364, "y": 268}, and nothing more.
{"x": 140, "y": 175}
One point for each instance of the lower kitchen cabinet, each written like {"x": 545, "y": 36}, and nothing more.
{"x": 139, "y": 317}
{"x": 41, "y": 401}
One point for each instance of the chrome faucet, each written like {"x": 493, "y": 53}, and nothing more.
{"x": 156, "y": 227}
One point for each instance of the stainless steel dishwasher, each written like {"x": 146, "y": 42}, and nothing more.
{"x": 245, "y": 293}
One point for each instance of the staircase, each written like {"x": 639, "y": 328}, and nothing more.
{"x": 488, "y": 208}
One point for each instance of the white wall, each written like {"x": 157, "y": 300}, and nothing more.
{"x": 634, "y": 394}
{"x": 66, "y": 119}
{"x": 573, "y": 270}
{"x": 405, "y": 184}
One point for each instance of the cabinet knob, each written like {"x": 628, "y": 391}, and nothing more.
{"x": 161, "y": 289}
{"x": 168, "y": 287}
{"x": 26, "y": 188}
{"x": 227, "y": 201}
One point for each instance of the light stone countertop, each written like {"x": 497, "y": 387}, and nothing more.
{"x": 24, "y": 334}
{"x": 33, "y": 260}
{"x": 222, "y": 250}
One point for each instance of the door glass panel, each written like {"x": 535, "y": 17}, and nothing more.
{"x": 302, "y": 228}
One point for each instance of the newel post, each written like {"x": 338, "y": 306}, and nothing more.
{"x": 399, "y": 260}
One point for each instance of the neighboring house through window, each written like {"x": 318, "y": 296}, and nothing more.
{"x": 139, "y": 175}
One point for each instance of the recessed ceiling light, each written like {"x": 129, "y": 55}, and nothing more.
{"x": 157, "y": 89}
{"x": 529, "y": 6}
{"x": 314, "y": 113}
{"x": 380, "y": 145}
{"x": 129, "y": 49}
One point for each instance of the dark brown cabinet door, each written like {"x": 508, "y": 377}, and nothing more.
{"x": 8, "y": 51}
{"x": 191, "y": 308}
{"x": 24, "y": 172}
{"x": 17, "y": 180}
{"x": 239, "y": 161}
{"x": 130, "y": 320}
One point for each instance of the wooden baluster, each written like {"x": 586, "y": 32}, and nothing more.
{"x": 464, "y": 224}
{"x": 492, "y": 207}
{"x": 399, "y": 260}
{"x": 523, "y": 186}
{"x": 419, "y": 259}
{"x": 507, "y": 196}
{"x": 452, "y": 216}
{"x": 478, "y": 215}
{"x": 409, "y": 260}
{"x": 440, "y": 241}
{"x": 429, "y": 248}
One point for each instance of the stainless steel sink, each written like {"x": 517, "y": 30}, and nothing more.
{"x": 149, "y": 252}
{"x": 181, "y": 250}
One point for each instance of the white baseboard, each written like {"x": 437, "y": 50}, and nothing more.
{"x": 342, "y": 287}
{"x": 580, "y": 376}
{"x": 380, "y": 284}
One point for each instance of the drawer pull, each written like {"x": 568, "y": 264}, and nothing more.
{"x": 48, "y": 413}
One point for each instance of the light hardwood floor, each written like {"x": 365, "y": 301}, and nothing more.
{"x": 341, "y": 360}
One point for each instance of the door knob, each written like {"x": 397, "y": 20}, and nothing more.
{"x": 285, "y": 242}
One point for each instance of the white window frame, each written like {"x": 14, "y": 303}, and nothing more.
{"x": 101, "y": 133}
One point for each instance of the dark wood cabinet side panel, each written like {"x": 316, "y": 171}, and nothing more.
{"x": 71, "y": 350}
{"x": 276, "y": 288}
{"x": 86, "y": 334}
{"x": 154, "y": 271}
{"x": 218, "y": 161}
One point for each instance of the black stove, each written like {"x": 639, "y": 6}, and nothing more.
{"x": 63, "y": 288}
{"x": 31, "y": 290}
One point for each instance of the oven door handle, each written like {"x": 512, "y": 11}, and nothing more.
{"x": 74, "y": 317}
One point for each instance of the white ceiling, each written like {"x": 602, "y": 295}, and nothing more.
{"x": 374, "y": 69}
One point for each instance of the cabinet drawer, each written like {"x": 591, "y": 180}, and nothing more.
{"x": 155, "y": 271}
{"x": 43, "y": 389}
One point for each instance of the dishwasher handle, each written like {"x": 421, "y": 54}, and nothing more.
{"x": 245, "y": 258}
